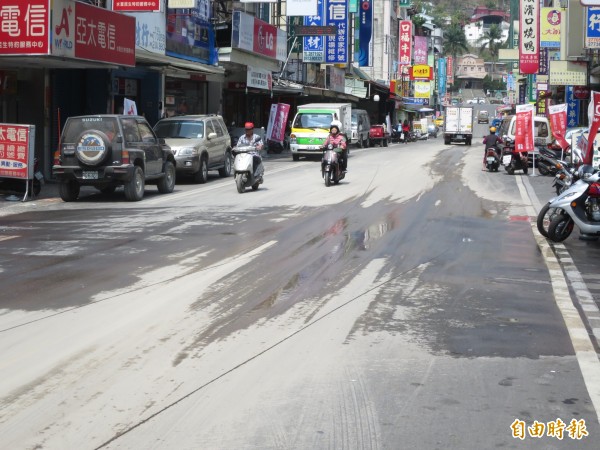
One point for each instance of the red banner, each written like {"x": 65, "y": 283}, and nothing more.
{"x": 14, "y": 151}
{"x": 524, "y": 140}
{"x": 594, "y": 120}
{"x": 25, "y": 27}
{"x": 558, "y": 123}
{"x": 405, "y": 43}
{"x": 529, "y": 36}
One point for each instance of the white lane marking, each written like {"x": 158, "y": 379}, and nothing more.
{"x": 6, "y": 238}
{"x": 582, "y": 343}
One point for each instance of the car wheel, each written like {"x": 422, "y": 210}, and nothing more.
{"x": 360, "y": 142}
{"x": 134, "y": 188}
{"x": 68, "y": 190}
{"x": 202, "y": 175}
{"x": 225, "y": 171}
{"x": 384, "y": 143}
{"x": 167, "y": 183}
{"x": 295, "y": 158}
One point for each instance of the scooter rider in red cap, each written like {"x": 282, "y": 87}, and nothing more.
{"x": 249, "y": 138}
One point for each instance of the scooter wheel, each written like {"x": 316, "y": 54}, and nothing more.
{"x": 560, "y": 227}
{"x": 327, "y": 179}
{"x": 239, "y": 182}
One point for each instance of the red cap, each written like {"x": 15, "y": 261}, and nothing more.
{"x": 249, "y": 126}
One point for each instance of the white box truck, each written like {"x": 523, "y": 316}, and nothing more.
{"x": 311, "y": 125}
{"x": 458, "y": 126}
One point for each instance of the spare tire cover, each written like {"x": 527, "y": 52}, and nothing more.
{"x": 92, "y": 147}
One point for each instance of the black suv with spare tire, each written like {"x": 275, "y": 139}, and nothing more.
{"x": 107, "y": 151}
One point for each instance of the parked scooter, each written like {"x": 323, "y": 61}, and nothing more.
{"x": 20, "y": 185}
{"x": 331, "y": 169}
{"x": 579, "y": 205}
{"x": 513, "y": 160}
{"x": 248, "y": 169}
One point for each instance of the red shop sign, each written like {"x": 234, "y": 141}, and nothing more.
{"x": 24, "y": 27}
{"x": 265, "y": 38}
{"x": 16, "y": 151}
{"x": 581, "y": 92}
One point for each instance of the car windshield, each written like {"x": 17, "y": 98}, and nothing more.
{"x": 313, "y": 120}
{"x": 180, "y": 129}
{"x": 75, "y": 127}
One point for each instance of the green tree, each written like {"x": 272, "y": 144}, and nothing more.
{"x": 492, "y": 40}
{"x": 455, "y": 42}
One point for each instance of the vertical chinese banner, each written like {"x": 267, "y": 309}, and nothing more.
{"x": 524, "y": 129}
{"x": 336, "y": 47}
{"x": 313, "y": 47}
{"x": 405, "y": 33}
{"x": 572, "y": 108}
{"x": 450, "y": 70}
{"x": 442, "y": 76}
{"x": 364, "y": 45}
{"x": 594, "y": 121}
{"x": 420, "y": 50}
{"x": 558, "y": 123}
{"x": 529, "y": 36}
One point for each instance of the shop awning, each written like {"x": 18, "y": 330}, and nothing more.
{"x": 160, "y": 61}
{"x": 286, "y": 87}
{"x": 51, "y": 62}
{"x": 310, "y": 90}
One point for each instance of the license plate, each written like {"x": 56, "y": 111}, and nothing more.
{"x": 90, "y": 175}
{"x": 490, "y": 160}
{"x": 311, "y": 147}
{"x": 506, "y": 160}
{"x": 459, "y": 136}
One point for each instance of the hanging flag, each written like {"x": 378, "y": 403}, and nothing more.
{"x": 129, "y": 107}
{"x": 558, "y": 123}
{"x": 594, "y": 120}
{"x": 524, "y": 128}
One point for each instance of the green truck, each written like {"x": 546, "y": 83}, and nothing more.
{"x": 311, "y": 126}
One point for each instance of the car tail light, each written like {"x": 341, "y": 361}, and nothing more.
{"x": 124, "y": 157}
{"x": 56, "y": 160}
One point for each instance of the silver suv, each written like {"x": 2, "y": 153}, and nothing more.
{"x": 200, "y": 143}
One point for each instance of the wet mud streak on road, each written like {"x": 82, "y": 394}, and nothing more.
{"x": 479, "y": 287}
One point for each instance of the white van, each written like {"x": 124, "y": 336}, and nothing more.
{"x": 542, "y": 135}
{"x": 360, "y": 127}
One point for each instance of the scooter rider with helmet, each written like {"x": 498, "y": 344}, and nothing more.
{"x": 490, "y": 141}
{"x": 336, "y": 138}
{"x": 251, "y": 139}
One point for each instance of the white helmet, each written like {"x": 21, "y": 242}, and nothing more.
{"x": 337, "y": 124}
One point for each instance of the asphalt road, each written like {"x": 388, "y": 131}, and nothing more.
{"x": 410, "y": 306}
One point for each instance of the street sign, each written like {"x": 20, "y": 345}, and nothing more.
{"x": 314, "y": 30}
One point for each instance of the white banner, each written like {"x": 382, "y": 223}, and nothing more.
{"x": 259, "y": 78}
{"x": 129, "y": 107}
{"x": 301, "y": 8}
{"x": 181, "y": 3}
